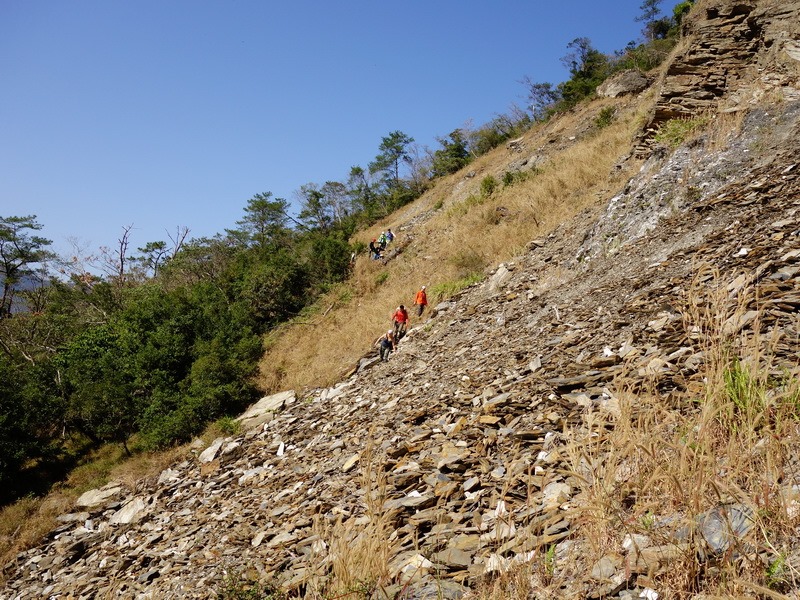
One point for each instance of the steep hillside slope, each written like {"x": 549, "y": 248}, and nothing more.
{"x": 454, "y": 232}
{"x": 613, "y": 412}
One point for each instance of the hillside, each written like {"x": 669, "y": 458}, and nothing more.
{"x": 613, "y": 411}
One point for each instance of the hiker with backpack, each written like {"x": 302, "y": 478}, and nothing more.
{"x": 374, "y": 250}
{"x": 400, "y": 322}
{"x": 386, "y": 345}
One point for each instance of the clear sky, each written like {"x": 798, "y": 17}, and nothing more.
{"x": 160, "y": 114}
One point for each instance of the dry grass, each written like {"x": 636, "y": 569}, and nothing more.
{"x": 24, "y": 523}
{"x": 455, "y": 242}
{"x": 664, "y": 461}
{"x": 723, "y": 127}
{"x": 354, "y": 554}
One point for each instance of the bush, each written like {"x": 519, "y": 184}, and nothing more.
{"x": 381, "y": 278}
{"x": 228, "y": 425}
{"x": 235, "y": 586}
{"x": 514, "y": 177}
{"x": 644, "y": 57}
{"x": 448, "y": 289}
{"x": 452, "y": 156}
{"x": 605, "y": 117}
{"x": 488, "y": 186}
{"x": 676, "y": 131}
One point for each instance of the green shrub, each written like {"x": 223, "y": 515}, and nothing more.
{"x": 381, "y": 278}
{"x": 676, "y": 131}
{"x": 514, "y": 177}
{"x": 228, "y": 425}
{"x": 605, "y": 117}
{"x": 448, "y": 289}
{"x": 488, "y": 186}
{"x": 453, "y": 155}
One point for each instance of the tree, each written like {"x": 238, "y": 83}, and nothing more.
{"x": 393, "y": 151}
{"x": 680, "y": 11}
{"x": 499, "y": 129}
{"x": 274, "y": 289}
{"x": 155, "y": 254}
{"x": 337, "y": 200}
{"x": 452, "y": 156}
{"x": 359, "y": 188}
{"x": 542, "y": 97}
{"x": 656, "y": 28}
{"x": 98, "y": 383}
{"x": 588, "y": 68}
{"x": 650, "y": 10}
{"x": 264, "y": 222}
{"x": 315, "y": 212}
{"x": 15, "y": 437}
{"x": 19, "y": 252}
{"x": 114, "y": 261}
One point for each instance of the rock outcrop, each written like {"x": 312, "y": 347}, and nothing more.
{"x": 734, "y": 53}
{"x": 627, "y": 82}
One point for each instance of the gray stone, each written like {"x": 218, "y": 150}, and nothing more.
{"x": 606, "y": 567}
{"x": 263, "y": 410}
{"x": 130, "y": 513}
{"x": 210, "y": 453}
{"x": 99, "y": 496}
{"x": 631, "y": 81}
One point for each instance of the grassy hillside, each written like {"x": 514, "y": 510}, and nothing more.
{"x": 457, "y": 230}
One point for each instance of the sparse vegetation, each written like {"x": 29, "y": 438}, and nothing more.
{"x": 448, "y": 289}
{"x": 228, "y": 425}
{"x": 605, "y": 117}
{"x": 381, "y": 278}
{"x": 488, "y": 186}
{"x": 236, "y": 586}
{"x": 515, "y": 177}
{"x": 675, "y": 132}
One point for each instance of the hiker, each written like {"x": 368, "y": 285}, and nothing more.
{"x": 382, "y": 241}
{"x": 389, "y": 236}
{"x": 421, "y": 301}
{"x": 400, "y": 322}
{"x": 386, "y": 345}
{"x": 375, "y": 252}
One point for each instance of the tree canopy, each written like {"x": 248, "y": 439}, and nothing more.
{"x": 20, "y": 252}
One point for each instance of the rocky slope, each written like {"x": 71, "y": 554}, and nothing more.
{"x": 468, "y": 452}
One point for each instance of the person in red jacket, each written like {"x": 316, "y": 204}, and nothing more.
{"x": 400, "y": 322}
{"x": 421, "y": 301}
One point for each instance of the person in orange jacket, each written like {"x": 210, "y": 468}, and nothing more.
{"x": 421, "y": 301}
{"x": 400, "y": 322}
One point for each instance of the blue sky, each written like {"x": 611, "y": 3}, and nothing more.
{"x": 160, "y": 114}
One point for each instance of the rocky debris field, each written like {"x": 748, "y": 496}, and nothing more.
{"x": 452, "y": 460}
{"x": 465, "y": 453}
